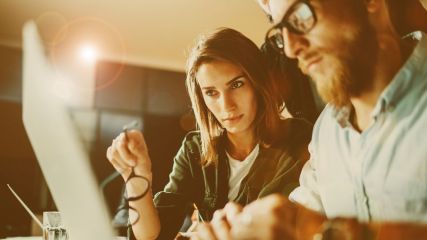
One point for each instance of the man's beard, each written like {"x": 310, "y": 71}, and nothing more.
{"x": 353, "y": 71}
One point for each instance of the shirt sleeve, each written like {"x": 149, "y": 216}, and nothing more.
{"x": 172, "y": 202}
{"x": 307, "y": 194}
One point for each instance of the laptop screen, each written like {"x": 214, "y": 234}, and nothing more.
{"x": 61, "y": 155}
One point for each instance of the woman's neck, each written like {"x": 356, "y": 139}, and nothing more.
{"x": 239, "y": 146}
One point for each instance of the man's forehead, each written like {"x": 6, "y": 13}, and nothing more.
{"x": 278, "y": 8}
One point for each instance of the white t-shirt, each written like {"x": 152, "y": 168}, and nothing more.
{"x": 238, "y": 170}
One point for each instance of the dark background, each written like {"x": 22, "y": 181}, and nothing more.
{"x": 156, "y": 97}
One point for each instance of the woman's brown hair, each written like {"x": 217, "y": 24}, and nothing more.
{"x": 231, "y": 46}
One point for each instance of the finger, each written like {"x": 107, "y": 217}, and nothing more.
{"x": 194, "y": 236}
{"x": 137, "y": 144}
{"x": 218, "y": 214}
{"x": 117, "y": 160}
{"x": 123, "y": 150}
{"x": 249, "y": 234}
{"x": 108, "y": 153}
{"x": 232, "y": 210}
{"x": 270, "y": 215}
{"x": 118, "y": 165}
{"x": 123, "y": 170}
{"x": 184, "y": 236}
{"x": 111, "y": 149}
{"x": 242, "y": 224}
{"x": 138, "y": 149}
{"x": 220, "y": 226}
{"x": 205, "y": 232}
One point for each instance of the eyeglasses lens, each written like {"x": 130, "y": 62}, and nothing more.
{"x": 140, "y": 185}
{"x": 301, "y": 20}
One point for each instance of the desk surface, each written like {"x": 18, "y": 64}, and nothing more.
{"x": 23, "y": 238}
{"x": 40, "y": 238}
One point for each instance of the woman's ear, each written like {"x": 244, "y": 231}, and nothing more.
{"x": 373, "y": 6}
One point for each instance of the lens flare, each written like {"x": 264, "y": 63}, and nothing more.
{"x": 88, "y": 53}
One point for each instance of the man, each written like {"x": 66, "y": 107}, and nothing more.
{"x": 367, "y": 175}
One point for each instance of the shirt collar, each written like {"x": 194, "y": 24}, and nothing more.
{"x": 410, "y": 73}
{"x": 342, "y": 115}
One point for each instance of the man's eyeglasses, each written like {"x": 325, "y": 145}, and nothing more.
{"x": 299, "y": 19}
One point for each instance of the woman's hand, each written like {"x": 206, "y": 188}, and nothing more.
{"x": 219, "y": 227}
{"x": 129, "y": 150}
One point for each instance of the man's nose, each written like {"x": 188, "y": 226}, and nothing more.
{"x": 294, "y": 43}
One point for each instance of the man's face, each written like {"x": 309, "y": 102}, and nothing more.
{"x": 338, "y": 53}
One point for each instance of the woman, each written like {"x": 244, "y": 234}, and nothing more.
{"x": 241, "y": 151}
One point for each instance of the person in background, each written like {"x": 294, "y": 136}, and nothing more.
{"x": 366, "y": 177}
{"x": 408, "y": 16}
{"x": 296, "y": 91}
{"x": 241, "y": 151}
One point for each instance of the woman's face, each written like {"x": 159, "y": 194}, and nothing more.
{"x": 229, "y": 95}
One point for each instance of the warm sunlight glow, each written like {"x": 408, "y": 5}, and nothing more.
{"x": 88, "y": 53}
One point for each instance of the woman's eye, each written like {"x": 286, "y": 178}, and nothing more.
{"x": 210, "y": 93}
{"x": 236, "y": 84}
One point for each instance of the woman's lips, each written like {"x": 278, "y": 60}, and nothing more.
{"x": 232, "y": 119}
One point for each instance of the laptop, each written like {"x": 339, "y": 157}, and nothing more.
{"x": 61, "y": 155}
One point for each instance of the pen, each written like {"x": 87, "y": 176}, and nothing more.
{"x": 126, "y": 127}
{"x": 198, "y": 212}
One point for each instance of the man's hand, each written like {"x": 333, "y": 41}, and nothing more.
{"x": 272, "y": 217}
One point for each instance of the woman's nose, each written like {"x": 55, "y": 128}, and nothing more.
{"x": 227, "y": 103}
